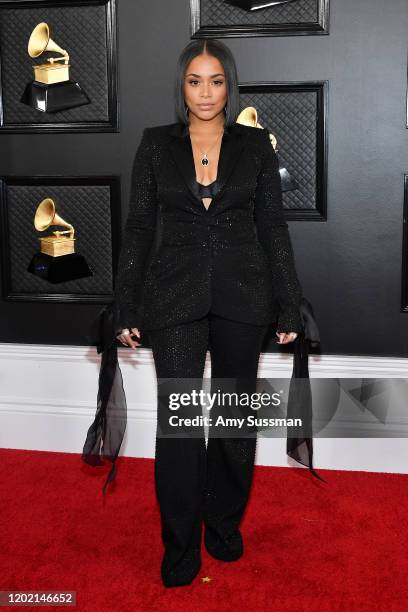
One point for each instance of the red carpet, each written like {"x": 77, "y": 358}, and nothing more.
{"x": 309, "y": 545}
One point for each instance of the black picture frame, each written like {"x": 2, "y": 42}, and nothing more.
{"x": 302, "y": 28}
{"x": 106, "y": 258}
{"x": 77, "y": 120}
{"x": 309, "y": 202}
{"x": 406, "y": 100}
{"x": 404, "y": 263}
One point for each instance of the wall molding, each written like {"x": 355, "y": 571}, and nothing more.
{"x": 48, "y": 400}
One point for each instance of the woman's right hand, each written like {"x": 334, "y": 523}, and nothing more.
{"x": 125, "y": 337}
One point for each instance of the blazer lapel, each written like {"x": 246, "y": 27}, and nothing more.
{"x": 232, "y": 145}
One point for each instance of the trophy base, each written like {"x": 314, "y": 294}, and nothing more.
{"x": 59, "y": 269}
{"x": 55, "y": 97}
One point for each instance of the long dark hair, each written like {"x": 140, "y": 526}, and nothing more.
{"x": 224, "y": 55}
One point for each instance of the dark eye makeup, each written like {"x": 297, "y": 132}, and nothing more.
{"x": 196, "y": 81}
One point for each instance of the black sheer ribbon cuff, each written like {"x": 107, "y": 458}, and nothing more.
{"x": 105, "y": 435}
{"x": 300, "y": 446}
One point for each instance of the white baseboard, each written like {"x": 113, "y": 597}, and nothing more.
{"x": 48, "y": 400}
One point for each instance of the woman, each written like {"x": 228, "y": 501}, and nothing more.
{"x": 206, "y": 263}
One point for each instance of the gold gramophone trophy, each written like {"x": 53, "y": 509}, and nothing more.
{"x": 51, "y": 90}
{"x": 249, "y": 116}
{"x": 57, "y": 261}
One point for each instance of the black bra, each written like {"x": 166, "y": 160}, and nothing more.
{"x": 206, "y": 191}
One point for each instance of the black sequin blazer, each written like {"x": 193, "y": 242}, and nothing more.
{"x": 178, "y": 259}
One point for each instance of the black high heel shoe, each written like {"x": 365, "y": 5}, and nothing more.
{"x": 184, "y": 572}
{"x": 228, "y": 549}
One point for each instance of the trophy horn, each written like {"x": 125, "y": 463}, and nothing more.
{"x": 249, "y": 116}
{"x": 46, "y": 215}
{"x": 40, "y": 41}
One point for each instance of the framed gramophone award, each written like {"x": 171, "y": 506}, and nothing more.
{"x": 57, "y": 259}
{"x": 58, "y": 66}
{"x": 295, "y": 115}
{"x": 52, "y": 88}
{"x": 59, "y": 237}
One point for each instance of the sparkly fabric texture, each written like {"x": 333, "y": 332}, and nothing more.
{"x": 273, "y": 234}
{"x": 195, "y": 483}
{"x": 179, "y": 258}
{"x": 138, "y": 235}
{"x": 179, "y": 261}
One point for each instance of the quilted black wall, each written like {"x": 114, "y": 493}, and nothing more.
{"x": 350, "y": 264}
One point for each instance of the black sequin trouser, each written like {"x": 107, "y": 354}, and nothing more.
{"x": 195, "y": 482}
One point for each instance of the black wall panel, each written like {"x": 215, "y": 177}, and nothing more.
{"x": 350, "y": 265}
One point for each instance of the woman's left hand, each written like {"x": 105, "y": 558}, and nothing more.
{"x": 286, "y": 338}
